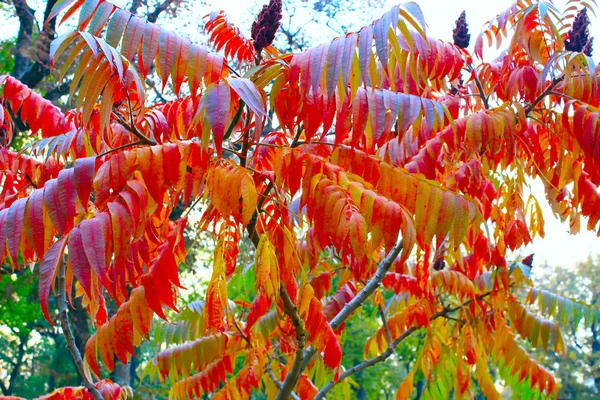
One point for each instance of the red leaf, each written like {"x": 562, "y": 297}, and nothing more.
{"x": 79, "y": 262}
{"x": 48, "y": 267}
{"x": 14, "y": 227}
{"x": 94, "y": 233}
{"x": 84, "y": 178}
{"x": 35, "y": 229}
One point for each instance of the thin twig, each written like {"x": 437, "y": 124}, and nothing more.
{"x": 237, "y": 327}
{"x": 386, "y": 328}
{"x": 66, "y": 328}
{"x": 131, "y": 128}
{"x": 233, "y": 71}
{"x": 123, "y": 146}
{"x": 235, "y": 120}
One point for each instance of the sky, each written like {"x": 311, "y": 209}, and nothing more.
{"x": 559, "y": 247}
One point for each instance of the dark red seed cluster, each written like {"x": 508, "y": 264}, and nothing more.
{"x": 528, "y": 260}
{"x": 460, "y": 34}
{"x": 266, "y": 25}
{"x": 579, "y": 35}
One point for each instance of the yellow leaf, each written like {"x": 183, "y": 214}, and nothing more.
{"x": 267, "y": 270}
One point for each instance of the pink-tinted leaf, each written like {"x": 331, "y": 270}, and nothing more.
{"x": 84, "y": 178}
{"x": 78, "y": 261}
{"x": 217, "y": 102}
{"x": 48, "y": 267}
{"x": 14, "y": 227}
{"x": 95, "y": 233}
{"x": 248, "y": 92}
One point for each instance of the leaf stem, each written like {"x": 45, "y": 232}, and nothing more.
{"x": 131, "y": 128}
{"x": 123, "y": 146}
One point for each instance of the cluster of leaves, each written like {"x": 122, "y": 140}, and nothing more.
{"x": 400, "y": 161}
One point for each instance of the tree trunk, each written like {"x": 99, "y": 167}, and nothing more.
{"x": 122, "y": 373}
{"x": 14, "y": 373}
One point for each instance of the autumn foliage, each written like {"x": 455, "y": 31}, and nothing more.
{"x": 398, "y": 178}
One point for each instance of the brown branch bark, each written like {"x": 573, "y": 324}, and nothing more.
{"x": 386, "y": 328}
{"x": 277, "y": 382}
{"x": 365, "y": 292}
{"x": 25, "y": 14}
{"x": 66, "y": 328}
{"x": 545, "y": 93}
{"x": 292, "y": 377}
{"x": 288, "y": 304}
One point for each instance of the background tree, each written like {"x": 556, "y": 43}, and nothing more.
{"x": 579, "y": 372}
{"x": 394, "y": 186}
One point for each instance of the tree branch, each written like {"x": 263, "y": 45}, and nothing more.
{"x": 66, "y": 327}
{"x": 386, "y": 328}
{"x": 131, "y": 128}
{"x": 294, "y": 374}
{"x": 277, "y": 382}
{"x": 480, "y": 88}
{"x": 545, "y": 93}
{"x": 153, "y": 16}
{"x": 361, "y": 297}
{"x": 390, "y": 350}
{"x": 288, "y": 305}
{"x": 123, "y": 146}
{"x": 24, "y": 37}
{"x": 40, "y": 53}
{"x": 4, "y": 389}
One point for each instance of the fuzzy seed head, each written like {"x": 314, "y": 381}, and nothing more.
{"x": 460, "y": 34}
{"x": 266, "y": 25}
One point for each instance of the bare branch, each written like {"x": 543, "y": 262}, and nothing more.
{"x": 288, "y": 305}
{"x": 386, "y": 328}
{"x": 545, "y": 93}
{"x": 390, "y": 350}
{"x": 361, "y": 297}
{"x": 131, "y": 128}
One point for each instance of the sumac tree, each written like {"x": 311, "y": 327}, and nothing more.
{"x": 398, "y": 177}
